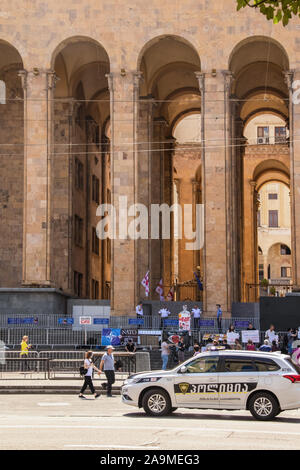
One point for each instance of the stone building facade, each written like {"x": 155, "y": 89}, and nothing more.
{"x": 94, "y": 91}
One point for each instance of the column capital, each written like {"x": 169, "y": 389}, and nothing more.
{"x": 52, "y": 78}
{"x": 201, "y": 78}
{"x": 228, "y": 79}
{"x": 288, "y": 78}
{"x": 23, "y": 75}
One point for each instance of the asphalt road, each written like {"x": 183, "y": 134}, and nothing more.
{"x": 65, "y": 422}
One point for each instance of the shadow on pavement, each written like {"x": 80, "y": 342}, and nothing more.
{"x": 211, "y": 417}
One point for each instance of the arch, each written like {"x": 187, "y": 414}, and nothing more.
{"x": 157, "y": 39}
{"x": 271, "y": 165}
{"x": 10, "y": 54}
{"x": 73, "y": 40}
{"x": 262, "y": 39}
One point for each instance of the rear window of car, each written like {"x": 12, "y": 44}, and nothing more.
{"x": 266, "y": 365}
{"x": 238, "y": 364}
{"x": 291, "y": 363}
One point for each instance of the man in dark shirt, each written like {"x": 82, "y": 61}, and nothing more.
{"x": 130, "y": 346}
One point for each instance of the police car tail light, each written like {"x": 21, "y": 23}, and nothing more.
{"x": 292, "y": 378}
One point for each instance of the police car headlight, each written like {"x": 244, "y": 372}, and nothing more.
{"x": 137, "y": 380}
{"x": 148, "y": 379}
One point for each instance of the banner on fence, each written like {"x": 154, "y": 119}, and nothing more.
{"x": 171, "y": 322}
{"x": 241, "y": 324}
{"x": 136, "y": 321}
{"x": 22, "y": 321}
{"x": 101, "y": 321}
{"x": 65, "y": 321}
{"x": 207, "y": 323}
{"x": 111, "y": 336}
{"x": 250, "y": 334}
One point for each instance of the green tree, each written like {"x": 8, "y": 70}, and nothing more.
{"x": 276, "y": 10}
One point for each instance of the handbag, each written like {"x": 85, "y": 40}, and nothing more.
{"x": 83, "y": 370}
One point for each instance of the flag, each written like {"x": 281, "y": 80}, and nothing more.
{"x": 160, "y": 290}
{"x": 145, "y": 283}
{"x": 170, "y": 295}
{"x": 200, "y": 285}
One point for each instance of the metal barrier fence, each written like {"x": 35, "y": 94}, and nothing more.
{"x": 24, "y": 367}
{"x": 57, "y": 364}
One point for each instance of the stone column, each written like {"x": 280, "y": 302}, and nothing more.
{"x": 144, "y": 138}
{"x": 123, "y": 101}
{"x": 294, "y": 145}
{"x": 250, "y": 239}
{"x": 216, "y": 177}
{"x": 38, "y": 91}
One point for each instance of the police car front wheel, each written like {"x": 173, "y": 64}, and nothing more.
{"x": 157, "y": 402}
{"x": 263, "y": 406}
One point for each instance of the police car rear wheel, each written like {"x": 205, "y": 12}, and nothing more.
{"x": 157, "y": 403}
{"x": 263, "y": 406}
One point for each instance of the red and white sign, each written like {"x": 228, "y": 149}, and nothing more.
{"x": 85, "y": 320}
{"x": 184, "y": 319}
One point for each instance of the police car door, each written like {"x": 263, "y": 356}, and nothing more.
{"x": 198, "y": 385}
{"x": 237, "y": 378}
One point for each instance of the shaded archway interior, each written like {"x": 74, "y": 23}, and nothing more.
{"x": 81, "y": 168}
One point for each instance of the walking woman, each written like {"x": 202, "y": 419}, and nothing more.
{"x": 25, "y": 353}
{"x": 88, "y": 382}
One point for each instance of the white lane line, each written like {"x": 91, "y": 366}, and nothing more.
{"x": 112, "y": 446}
{"x": 148, "y": 428}
{"x": 53, "y": 404}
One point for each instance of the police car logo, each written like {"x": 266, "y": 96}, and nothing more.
{"x": 184, "y": 387}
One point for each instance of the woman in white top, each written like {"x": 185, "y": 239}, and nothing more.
{"x": 88, "y": 382}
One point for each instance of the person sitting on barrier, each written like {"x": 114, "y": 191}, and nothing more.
{"x": 25, "y": 352}
{"x": 88, "y": 382}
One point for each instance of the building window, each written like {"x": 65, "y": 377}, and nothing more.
{"x": 78, "y": 231}
{"x": 280, "y": 135}
{"x": 263, "y": 135}
{"x": 79, "y": 170}
{"x": 273, "y": 196}
{"x": 285, "y": 250}
{"x": 285, "y": 271}
{"x": 78, "y": 283}
{"x": 273, "y": 218}
{"x": 95, "y": 241}
{"x": 95, "y": 189}
{"x": 95, "y": 289}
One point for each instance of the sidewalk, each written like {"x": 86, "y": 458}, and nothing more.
{"x": 62, "y": 386}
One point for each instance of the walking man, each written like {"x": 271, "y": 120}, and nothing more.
{"x": 108, "y": 365}
{"x": 88, "y": 377}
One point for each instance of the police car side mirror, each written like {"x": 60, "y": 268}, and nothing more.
{"x": 183, "y": 370}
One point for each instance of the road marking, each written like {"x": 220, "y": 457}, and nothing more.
{"x": 148, "y": 428}
{"x": 53, "y": 404}
{"x": 112, "y": 446}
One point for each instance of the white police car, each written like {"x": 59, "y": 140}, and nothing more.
{"x": 264, "y": 383}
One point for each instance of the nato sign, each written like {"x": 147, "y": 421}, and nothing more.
{"x": 111, "y": 336}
